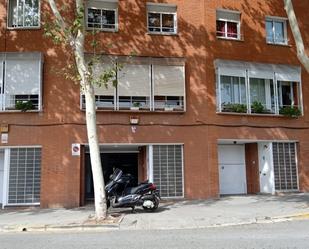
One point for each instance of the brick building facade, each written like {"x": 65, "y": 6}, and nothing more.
{"x": 212, "y": 83}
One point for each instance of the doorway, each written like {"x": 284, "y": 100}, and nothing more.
{"x": 232, "y": 169}
{"x": 126, "y": 161}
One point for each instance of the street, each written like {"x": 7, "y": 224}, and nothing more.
{"x": 285, "y": 235}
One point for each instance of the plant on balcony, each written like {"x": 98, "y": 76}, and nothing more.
{"x": 233, "y": 107}
{"x": 24, "y": 105}
{"x": 290, "y": 111}
{"x": 257, "y": 107}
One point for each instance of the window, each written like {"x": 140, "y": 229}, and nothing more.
{"x": 228, "y": 24}
{"x": 276, "y": 31}
{"x": 162, "y": 18}
{"x": 24, "y": 176}
{"x": 285, "y": 166}
{"x": 24, "y": 13}
{"x": 257, "y": 88}
{"x": 102, "y": 15}
{"x": 168, "y": 170}
{"x": 20, "y": 82}
{"x": 233, "y": 91}
{"x": 144, "y": 84}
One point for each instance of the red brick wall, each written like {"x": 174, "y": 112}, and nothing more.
{"x": 62, "y": 123}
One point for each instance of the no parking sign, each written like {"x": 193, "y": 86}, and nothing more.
{"x": 75, "y": 149}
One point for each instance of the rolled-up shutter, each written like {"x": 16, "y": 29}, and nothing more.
{"x": 161, "y": 8}
{"x": 105, "y": 65}
{"x": 228, "y": 15}
{"x": 261, "y": 71}
{"x": 23, "y": 74}
{"x": 288, "y": 73}
{"x": 101, "y": 4}
{"x": 134, "y": 80}
{"x": 169, "y": 80}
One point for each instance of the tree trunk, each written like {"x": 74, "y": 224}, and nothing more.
{"x": 301, "y": 52}
{"x": 97, "y": 172}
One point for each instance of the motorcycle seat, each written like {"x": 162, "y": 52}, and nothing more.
{"x": 134, "y": 190}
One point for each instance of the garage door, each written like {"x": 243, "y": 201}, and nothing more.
{"x": 232, "y": 169}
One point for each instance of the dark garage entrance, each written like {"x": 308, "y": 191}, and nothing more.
{"x": 127, "y": 162}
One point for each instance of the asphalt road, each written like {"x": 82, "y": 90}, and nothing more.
{"x": 285, "y": 235}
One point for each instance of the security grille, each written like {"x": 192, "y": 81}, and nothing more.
{"x": 24, "y": 176}
{"x": 285, "y": 169}
{"x": 167, "y": 170}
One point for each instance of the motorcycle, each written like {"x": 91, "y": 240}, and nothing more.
{"x": 120, "y": 194}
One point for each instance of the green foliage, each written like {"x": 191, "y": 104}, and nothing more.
{"x": 257, "y": 107}
{"x": 136, "y": 104}
{"x": 24, "y": 105}
{"x": 239, "y": 108}
{"x": 290, "y": 111}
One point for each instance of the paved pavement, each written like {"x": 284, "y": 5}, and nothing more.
{"x": 226, "y": 211}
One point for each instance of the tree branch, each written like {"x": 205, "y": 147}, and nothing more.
{"x": 61, "y": 21}
{"x": 301, "y": 52}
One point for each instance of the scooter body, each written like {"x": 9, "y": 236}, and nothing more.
{"x": 121, "y": 194}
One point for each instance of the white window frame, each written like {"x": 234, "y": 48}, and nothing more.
{"x": 273, "y": 20}
{"x": 23, "y": 27}
{"x": 267, "y": 91}
{"x": 225, "y": 25}
{"x": 152, "y": 107}
{"x": 162, "y": 13}
{"x": 103, "y": 29}
{"x": 3, "y": 95}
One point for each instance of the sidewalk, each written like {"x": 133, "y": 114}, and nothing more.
{"x": 231, "y": 210}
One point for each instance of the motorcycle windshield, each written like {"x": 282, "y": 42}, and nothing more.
{"x": 116, "y": 175}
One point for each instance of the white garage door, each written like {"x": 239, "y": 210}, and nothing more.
{"x": 232, "y": 169}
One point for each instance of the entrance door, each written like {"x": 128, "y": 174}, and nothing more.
{"x": 266, "y": 168}
{"x": 1, "y": 174}
{"x": 232, "y": 169}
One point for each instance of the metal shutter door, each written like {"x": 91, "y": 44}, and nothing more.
{"x": 168, "y": 170}
{"x": 24, "y": 176}
{"x": 285, "y": 168}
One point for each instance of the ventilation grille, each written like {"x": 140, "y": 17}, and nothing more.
{"x": 167, "y": 170}
{"x": 285, "y": 168}
{"x": 24, "y": 176}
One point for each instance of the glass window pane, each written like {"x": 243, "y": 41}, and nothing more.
{"x": 232, "y": 29}
{"x": 220, "y": 28}
{"x": 226, "y": 90}
{"x": 108, "y": 19}
{"x": 94, "y": 18}
{"x": 269, "y": 31}
{"x": 257, "y": 91}
{"x": 168, "y": 24}
{"x": 154, "y": 20}
{"x": 279, "y": 32}
{"x": 285, "y": 94}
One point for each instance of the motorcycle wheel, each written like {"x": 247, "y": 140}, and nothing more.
{"x": 155, "y": 202}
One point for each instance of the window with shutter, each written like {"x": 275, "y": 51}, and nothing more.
{"x": 21, "y": 83}
{"x": 168, "y": 87}
{"x": 134, "y": 86}
{"x": 228, "y": 24}
{"x": 102, "y": 15}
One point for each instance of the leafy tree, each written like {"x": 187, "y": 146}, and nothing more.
{"x": 70, "y": 31}
{"x": 301, "y": 52}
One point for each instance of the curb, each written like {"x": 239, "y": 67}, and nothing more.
{"x": 113, "y": 227}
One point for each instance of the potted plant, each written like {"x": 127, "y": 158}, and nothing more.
{"x": 168, "y": 108}
{"x": 290, "y": 111}
{"x": 24, "y": 105}
{"x": 231, "y": 107}
{"x": 135, "y": 106}
{"x": 257, "y": 107}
